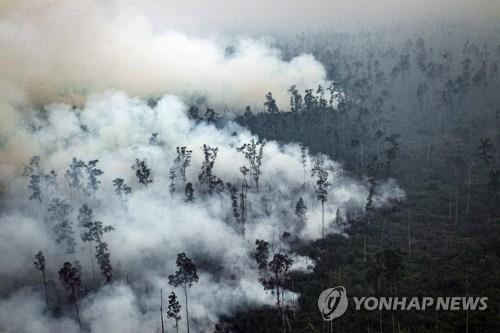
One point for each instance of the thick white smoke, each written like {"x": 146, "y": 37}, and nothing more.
{"x": 153, "y": 226}
{"x": 95, "y": 55}
{"x": 65, "y": 50}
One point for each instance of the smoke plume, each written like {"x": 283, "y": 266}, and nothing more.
{"x": 59, "y": 50}
{"x": 74, "y": 79}
{"x": 152, "y": 226}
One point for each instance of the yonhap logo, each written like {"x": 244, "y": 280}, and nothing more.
{"x": 333, "y": 303}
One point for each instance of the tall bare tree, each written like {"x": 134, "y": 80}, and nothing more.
{"x": 70, "y": 279}
{"x": 40, "y": 265}
{"x": 322, "y": 185}
{"x": 174, "y": 310}
{"x": 185, "y": 276}
{"x": 253, "y": 152}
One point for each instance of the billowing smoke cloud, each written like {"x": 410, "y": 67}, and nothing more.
{"x": 60, "y": 50}
{"x": 152, "y": 226}
{"x": 95, "y": 55}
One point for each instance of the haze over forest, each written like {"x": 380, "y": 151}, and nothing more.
{"x": 212, "y": 166}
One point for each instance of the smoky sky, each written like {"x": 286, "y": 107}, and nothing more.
{"x": 64, "y": 51}
{"x": 260, "y": 15}
{"x": 239, "y": 16}
{"x": 56, "y": 50}
{"x": 284, "y": 15}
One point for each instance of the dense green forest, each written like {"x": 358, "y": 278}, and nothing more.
{"x": 429, "y": 118}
